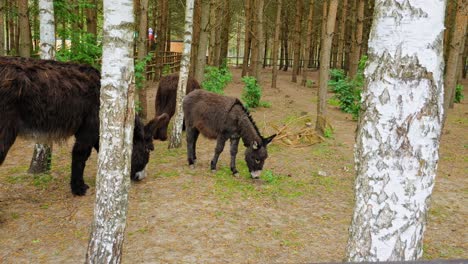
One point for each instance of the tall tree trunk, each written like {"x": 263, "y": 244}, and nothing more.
{"x": 142, "y": 52}
{"x": 213, "y": 29}
{"x": 2, "y": 28}
{"x": 310, "y": 24}
{"x": 254, "y": 45}
{"x": 247, "y": 38}
{"x": 461, "y": 21}
{"x": 449, "y": 26}
{"x": 297, "y": 39}
{"x": 24, "y": 29}
{"x": 238, "y": 42}
{"x": 116, "y": 133}
{"x": 161, "y": 36}
{"x": 196, "y": 36}
{"x": 176, "y": 136}
{"x": 203, "y": 42}
{"x": 367, "y": 24}
{"x": 260, "y": 40}
{"x": 224, "y": 36}
{"x": 42, "y": 157}
{"x": 396, "y": 161}
{"x": 276, "y": 43}
{"x": 91, "y": 18}
{"x": 75, "y": 25}
{"x": 356, "y": 51}
{"x": 322, "y": 123}
{"x": 341, "y": 36}
{"x": 350, "y": 36}
{"x": 285, "y": 37}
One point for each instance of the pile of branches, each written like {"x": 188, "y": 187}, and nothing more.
{"x": 304, "y": 135}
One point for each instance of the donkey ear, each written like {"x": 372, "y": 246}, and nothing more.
{"x": 155, "y": 123}
{"x": 255, "y": 145}
{"x": 267, "y": 140}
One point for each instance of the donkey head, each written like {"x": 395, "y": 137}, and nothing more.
{"x": 255, "y": 156}
{"x": 143, "y": 144}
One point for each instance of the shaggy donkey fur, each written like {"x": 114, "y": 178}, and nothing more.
{"x": 222, "y": 118}
{"x": 166, "y": 99}
{"x": 53, "y": 101}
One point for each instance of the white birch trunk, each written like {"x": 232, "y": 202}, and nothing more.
{"x": 41, "y": 159}
{"x": 176, "y": 136}
{"x": 116, "y": 134}
{"x": 396, "y": 153}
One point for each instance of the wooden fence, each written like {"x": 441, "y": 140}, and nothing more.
{"x": 164, "y": 63}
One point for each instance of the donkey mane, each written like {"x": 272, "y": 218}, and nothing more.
{"x": 247, "y": 113}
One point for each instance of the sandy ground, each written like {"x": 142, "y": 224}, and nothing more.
{"x": 179, "y": 215}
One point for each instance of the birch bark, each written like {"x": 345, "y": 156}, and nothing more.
{"x": 396, "y": 153}
{"x": 176, "y": 138}
{"x": 117, "y": 116}
{"x": 42, "y": 156}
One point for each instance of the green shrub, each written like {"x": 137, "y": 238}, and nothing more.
{"x": 252, "y": 92}
{"x": 348, "y": 92}
{"x": 85, "y": 51}
{"x": 216, "y": 79}
{"x": 459, "y": 93}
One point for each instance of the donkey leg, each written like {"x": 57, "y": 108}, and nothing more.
{"x": 87, "y": 138}
{"x": 234, "y": 147}
{"x": 219, "y": 148}
{"x": 192, "y": 136}
{"x": 80, "y": 155}
{"x": 8, "y": 133}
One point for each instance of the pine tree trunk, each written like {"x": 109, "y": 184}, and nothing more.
{"x": 356, "y": 51}
{"x": 116, "y": 133}
{"x": 247, "y": 38}
{"x": 213, "y": 28}
{"x": 24, "y": 29}
{"x": 449, "y": 26}
{"x": 260, "y": 35}
{"x": 322, "y": 123}
{"x": 176, "y": 136}
{"x": 42, "y": 157}
{"x": 161, "y": 36}
{"x": 203, "y": 42}
{"x": 91, "y": 18}
{"x": 342, "y": 31}
{"x": 276, "y": 44}
{"x": 297, "y": 39}
{"x": 2, "y": 28}
{"x": 238, "y": 42}
{"x": 226, "y": 19}
{"x": 142, "y": 52}
{"x": 195, "y": 37}
{"x": 399, "y": 131}
{"x": 310, "y": 25}
{"x": 458, "y": 35}
{"x": 254, "y": 45}
{"x": 285, "y": 36}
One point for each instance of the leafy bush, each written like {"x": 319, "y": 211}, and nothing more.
{"x": 216, "y": 79}
{"x": 459, "y": 93}
{"x": 252, "y": 92}
{"x": 85, "y": 51}
{"x": 348, "y": 92}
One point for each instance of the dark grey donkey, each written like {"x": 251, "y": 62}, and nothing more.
{"x": 222, "y": 118}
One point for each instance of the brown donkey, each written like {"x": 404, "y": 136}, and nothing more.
{"x": 222, "y": 118}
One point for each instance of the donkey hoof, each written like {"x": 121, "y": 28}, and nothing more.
{"x": 80, "y": 190}
{"x": 192, "y": 166}
{"x": 213, "y": 171}
{"x": 236, "y": 174}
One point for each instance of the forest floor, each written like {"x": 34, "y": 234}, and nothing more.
{"x": 299, "y": 212}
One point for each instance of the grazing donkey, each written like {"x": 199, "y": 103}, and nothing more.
{"x": 222, "y": 118}
{"x": 165, "y": 101}
{"x": 50, "y": 100}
